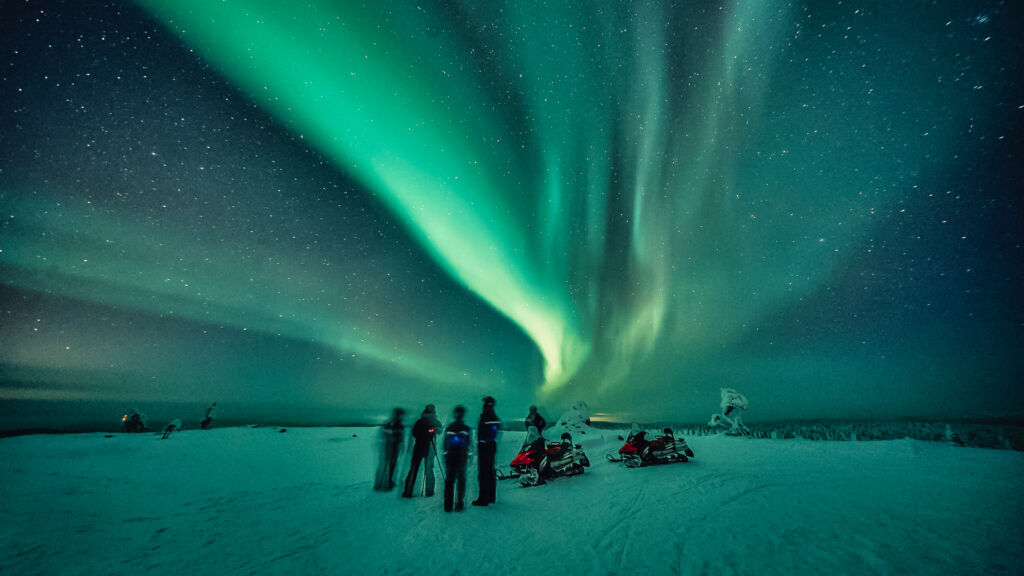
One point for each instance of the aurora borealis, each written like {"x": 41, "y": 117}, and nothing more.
{"x": 334, "y": 207}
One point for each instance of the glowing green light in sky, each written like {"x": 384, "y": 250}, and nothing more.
{"x": 418, "y": 133}
{"x": 110, "y": 260}
{"x": 633, "y": 186}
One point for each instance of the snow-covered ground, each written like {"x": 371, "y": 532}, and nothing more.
{"x": 258, "y": 501}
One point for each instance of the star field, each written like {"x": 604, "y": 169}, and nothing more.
{"x": 334, "y": 209}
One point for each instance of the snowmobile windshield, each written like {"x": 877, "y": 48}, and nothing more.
{"x": 639, "y": 435}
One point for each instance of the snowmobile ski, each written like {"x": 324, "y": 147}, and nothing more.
{"x": 502, "y": 475}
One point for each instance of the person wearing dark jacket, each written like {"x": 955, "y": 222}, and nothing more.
{"x": 457, "y": 437}
{"x": 391, "y": 436}
{"x": 423, "y": 432}
{"x": 535, "y": 419}
{"x": 487, "y": 448}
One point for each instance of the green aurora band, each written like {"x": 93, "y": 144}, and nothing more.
{"x": 167, "y": 275}
{"x": 334, "y": 209}
{"x": 632, "y": 184}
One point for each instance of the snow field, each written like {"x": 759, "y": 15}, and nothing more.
{"x": 257, "y": 501}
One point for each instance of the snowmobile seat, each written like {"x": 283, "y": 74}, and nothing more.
{"x": 554, "y": 450}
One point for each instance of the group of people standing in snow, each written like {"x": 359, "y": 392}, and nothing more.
{"x": 456, "y": 442}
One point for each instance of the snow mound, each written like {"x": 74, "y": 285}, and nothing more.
{"x": 575, "y": 421}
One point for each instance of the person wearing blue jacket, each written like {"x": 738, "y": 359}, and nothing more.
{"x": 457, "y": 437}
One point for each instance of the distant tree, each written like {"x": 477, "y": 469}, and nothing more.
{"x": 730, "y": 420}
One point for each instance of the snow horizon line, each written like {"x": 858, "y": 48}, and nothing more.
{"x": 759, "y": 429}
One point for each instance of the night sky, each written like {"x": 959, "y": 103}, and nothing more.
{"x": 322, "y": 211}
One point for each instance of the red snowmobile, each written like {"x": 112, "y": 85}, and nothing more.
{"x": 540, "y": 461}
{"x": 664, "y": 449}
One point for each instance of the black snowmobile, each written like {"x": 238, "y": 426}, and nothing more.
{"x": 664, "y": 449}
{"x": 540, "y": 461}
